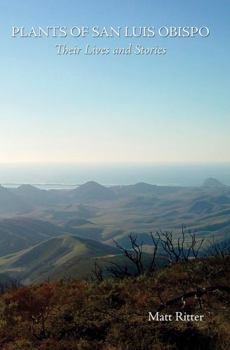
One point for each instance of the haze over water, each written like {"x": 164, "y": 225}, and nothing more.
{"x": 69, "y": 175}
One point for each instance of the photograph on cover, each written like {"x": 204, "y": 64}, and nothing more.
{"x": 114, "y": 175}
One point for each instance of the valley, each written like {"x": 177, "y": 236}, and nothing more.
{"x": 59, "y": 233}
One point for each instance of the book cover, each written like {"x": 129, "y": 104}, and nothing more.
{"x": 115, "y": 175}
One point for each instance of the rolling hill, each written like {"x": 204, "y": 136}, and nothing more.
{"x": 21, "y": 233}
{"x": 59, "y": 256}
{"x": 96, "y": 212}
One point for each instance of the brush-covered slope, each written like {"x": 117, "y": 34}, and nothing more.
{"x": 114, "y": 314}
{"x": 59, "y": 257}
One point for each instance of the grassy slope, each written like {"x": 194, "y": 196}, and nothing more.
{"x": 62, "y": 256}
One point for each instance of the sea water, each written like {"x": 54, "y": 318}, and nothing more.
{"x": 71, "y": 175}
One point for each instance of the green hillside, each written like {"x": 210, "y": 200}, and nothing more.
{"x": 60, "y": 257}
{"x": 93, "y": 211}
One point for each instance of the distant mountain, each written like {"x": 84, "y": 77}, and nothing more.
{"x": 92, "y": 191}
{"x": 104, "y": 213}
{"x": 136, "y": 189}
{"x": 27, "y": 198}
{"x": 58, "y": 256}
{"x": 212, "y": 182}
{"x": 36, "y": 197}
{"x": 11, "y": 203}
{"x": 142, "y": 187}
{"x": 28, "y": 189}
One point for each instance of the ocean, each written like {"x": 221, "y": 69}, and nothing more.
{"x": 66, "y": 176}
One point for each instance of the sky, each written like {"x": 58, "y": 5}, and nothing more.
{"x": 127, "y": 108}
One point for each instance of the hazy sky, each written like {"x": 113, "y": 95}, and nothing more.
{"x": 116, "y": 109}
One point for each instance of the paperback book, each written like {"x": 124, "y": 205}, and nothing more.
{"x": 115, "y": 175}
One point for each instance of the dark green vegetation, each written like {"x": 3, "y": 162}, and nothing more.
{"x": 114, "y": 314}
{"x": 41, "y": 232}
